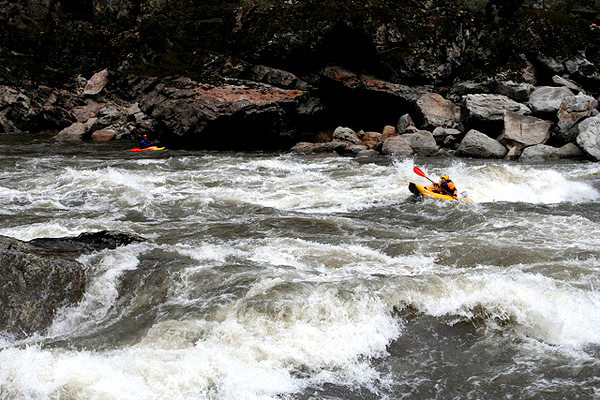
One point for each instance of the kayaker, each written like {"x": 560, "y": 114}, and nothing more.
{"x": 145, "y": 142}
{"x": 447, "y": 186}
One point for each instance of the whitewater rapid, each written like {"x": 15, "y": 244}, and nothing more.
{"x": 273, "y": 276}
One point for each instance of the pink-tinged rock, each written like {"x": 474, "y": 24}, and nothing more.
{"x": 389, "y": 131}
{"x": 522, "y": 131}
{"x": 437, "y": 111}
{"x": 103, "y": 135}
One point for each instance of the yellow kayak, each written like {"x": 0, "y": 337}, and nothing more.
{"x": 434, "y": 193}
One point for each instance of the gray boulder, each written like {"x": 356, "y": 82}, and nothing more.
{"x": 547, "y": 99}
{"x": 589, "y": 137}
{"x": 346, "y": 135}
{"x": 479, "y": 145}
{"x": 542, "y": 152}
{"x": 491, "y": 107}
{"x": 397, "y": 146}
{"x": 422, "y": 143}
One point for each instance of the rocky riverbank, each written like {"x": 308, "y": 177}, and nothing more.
{"x": 516, "y": 80}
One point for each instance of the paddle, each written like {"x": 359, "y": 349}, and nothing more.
{"x": 418, "y": 171}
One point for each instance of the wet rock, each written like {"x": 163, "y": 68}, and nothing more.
{"x": 88, "y": 241}
{"x": 542, "y": 152}
{"x": 319, "y": 148}
{"x": 547, "y": 99}
{"x": 479, "y": 145}
{"x": 34, "y": 284}
{"x": 589, "y": 137}
{"x": 437, "y": 111}
{"x": 522, "y": 131}
{"x": 369, "y": 153}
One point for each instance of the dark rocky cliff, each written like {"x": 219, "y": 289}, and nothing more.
{"x": 284, "y": 44}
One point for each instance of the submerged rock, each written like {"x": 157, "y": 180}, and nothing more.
{"x": 39, "y": 277}
{"x": 34, "y": 284}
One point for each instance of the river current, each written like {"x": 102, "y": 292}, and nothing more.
{"x": 273, "y": 276}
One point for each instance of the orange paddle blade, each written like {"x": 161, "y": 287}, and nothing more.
{"x": 419, "y": 172}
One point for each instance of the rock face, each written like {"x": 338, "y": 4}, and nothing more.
{"x": 34, "y": 284}
{"x": 243, "y": 74}
{"x": 41, "y": 276}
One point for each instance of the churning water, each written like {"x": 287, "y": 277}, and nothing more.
{"x": 271, "y": 276}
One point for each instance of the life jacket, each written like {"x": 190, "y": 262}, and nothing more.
{"x": 448, "y": 187}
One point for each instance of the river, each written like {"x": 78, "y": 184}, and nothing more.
{"x": 273, "y": 276}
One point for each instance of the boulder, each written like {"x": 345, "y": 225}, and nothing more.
{"x": 539, "y": 153}
{"x": 96, "y": 83}
{"x": 371, "y": 139}
{"x": 522, "y": 130}
{"x": 404, "y": 123}
{"x": 346, "y": 135}
{"x": 479, "y": 145}
{"x": 370, "y": 153}
{"x": 34, "y": 284}
{"x": 75, "y": 132}
{"x": 422, "y": 143}
{"x": 569, "y": 84}
{"x": 518, "y": 91}
{"x": 490, "y": 107}
{"x": 437, "y": 111}
{"x": 547, "y": 99}
{"x": 388, "y": 132}
{"x": 319, "y": 148}
{"x": 589, "y": 137}
{"x": 572, "y": 110}
{"x": 103, "y": 135}
{"x": 397, "y": 146}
